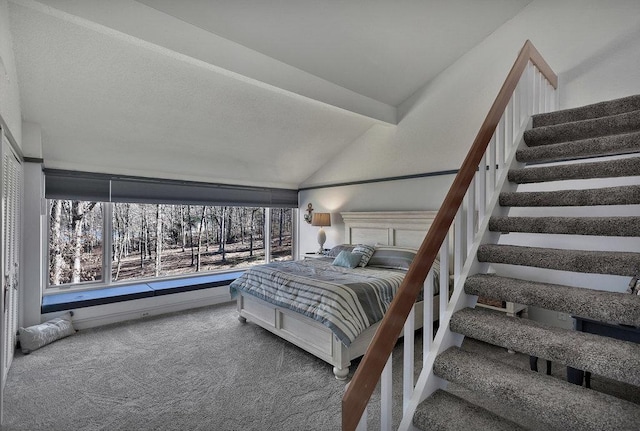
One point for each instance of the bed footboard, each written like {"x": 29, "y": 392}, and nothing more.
{"x": 310, "y": 335}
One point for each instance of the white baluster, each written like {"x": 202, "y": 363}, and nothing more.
{"x": 481, "y": 181}
{"x": 536, "y": 91}
{"x": 530, "y": 88}
{"x": 547, "y": 96}
{"x": 458, "y": 248}
{"x": 522, "y": 100}
{"x": 362, "y": 425}
{"x": 541, "y": 86}
{"x": 500, "y": 143}
{"x": 508, "y": 128}
{"x": 517, "y": 104}
{"x": 427, "y": 327}
{"x": 386, "y": 396}
{"x": 470, "y": 199}
{"x": 407, "y": 371}
{"x": 492, "y": 165}
{"x": 444, "y": 285}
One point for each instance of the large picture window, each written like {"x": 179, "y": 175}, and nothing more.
{"x": 160, "y": 240}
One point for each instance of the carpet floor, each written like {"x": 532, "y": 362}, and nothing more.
{"x": 194, "y": 370}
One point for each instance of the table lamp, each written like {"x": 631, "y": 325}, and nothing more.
{"x": 321, "y": 219}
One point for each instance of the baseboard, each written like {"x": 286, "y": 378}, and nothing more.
{"x": 100, "y": 315}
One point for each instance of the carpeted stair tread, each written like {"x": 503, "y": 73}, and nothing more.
{"x": 604, "y": 356}
{"x": 601, "y": 109}
{"x": 619, "y": 195}
{"x": 600, "y": 305}
{"x": 601, "y": 226}
{"x": 602, "y": 146}
{"x": 613, "y": 125}
{"x": 555, "y": 402}
{"x": 588, "y": 261}
{"x": 603, "y": 169}
{"x": 443, "y": 411}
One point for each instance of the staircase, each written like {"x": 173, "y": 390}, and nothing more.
{"x": 584, "y": 157}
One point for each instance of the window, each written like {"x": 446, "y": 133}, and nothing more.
{"x": 160, "y": 240}
{"x": 75, "y": 241}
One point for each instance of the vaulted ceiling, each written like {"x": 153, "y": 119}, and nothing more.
{"x": 247, "y": 92}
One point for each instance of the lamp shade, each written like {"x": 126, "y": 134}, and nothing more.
{"x": 321, "y": 219}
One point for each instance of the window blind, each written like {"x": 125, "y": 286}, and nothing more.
{"x": 62, "y": 184}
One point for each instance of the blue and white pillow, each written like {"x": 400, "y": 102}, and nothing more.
{"x": 366, "y": 251}
{"x": 346, "y": 259}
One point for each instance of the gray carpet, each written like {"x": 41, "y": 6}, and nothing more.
{"x": 595, "y": 304}
{"x": 556, "y": 403}
{"x": 598, "y": 226}
{"x": 574, "y": 150}
{"x": 601, "y": 109}
{"x": 586, "y": 261}
{"x": 602, "y": 169}
{"x": 627, "y": 195}
{"x": 197, "y": 370}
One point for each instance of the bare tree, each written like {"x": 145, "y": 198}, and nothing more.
{"x": 223, "y": 237}
{"x": 121, "y": 214}
{"x": 252, "y": 231}
{"x": 57, "y": 261}
{"x": 78, "y": 211}
{"x": 280, "y": 224}
{"x": 158, "y": 238}
{"x": 183, "y": 232}
{"x": 200, "y": 236}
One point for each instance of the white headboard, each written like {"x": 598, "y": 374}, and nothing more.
{"x": 402, "y": 228}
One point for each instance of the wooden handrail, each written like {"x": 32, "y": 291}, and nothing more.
{"x": 368, "y": 373}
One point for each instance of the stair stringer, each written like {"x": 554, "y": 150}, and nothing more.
{"x": 428, "y": 382}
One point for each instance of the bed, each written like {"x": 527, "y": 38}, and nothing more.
{"x": 313, "y": 328}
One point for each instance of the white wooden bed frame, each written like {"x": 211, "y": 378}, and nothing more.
{"x": 402, "y": 228}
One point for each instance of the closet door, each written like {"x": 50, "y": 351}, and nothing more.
{"x": 11, "y": 237}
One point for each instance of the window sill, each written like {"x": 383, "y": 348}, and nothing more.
{"x": 88, "y": 298}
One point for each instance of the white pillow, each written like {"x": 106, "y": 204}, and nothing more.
{"x": 36, "y": 336}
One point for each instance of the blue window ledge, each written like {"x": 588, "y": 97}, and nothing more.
{"x": 109, "y": 295}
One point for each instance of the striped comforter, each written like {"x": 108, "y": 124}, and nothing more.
{"x": 345, "y": 300}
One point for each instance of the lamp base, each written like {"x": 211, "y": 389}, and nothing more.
{"x": 322, "y": 237}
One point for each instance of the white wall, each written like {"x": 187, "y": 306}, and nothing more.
{"x": 610, "y": 73}
{"x": 9, "y": 92}
{"x": 411, "y": 194}
{"x": 591, "y": 44}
